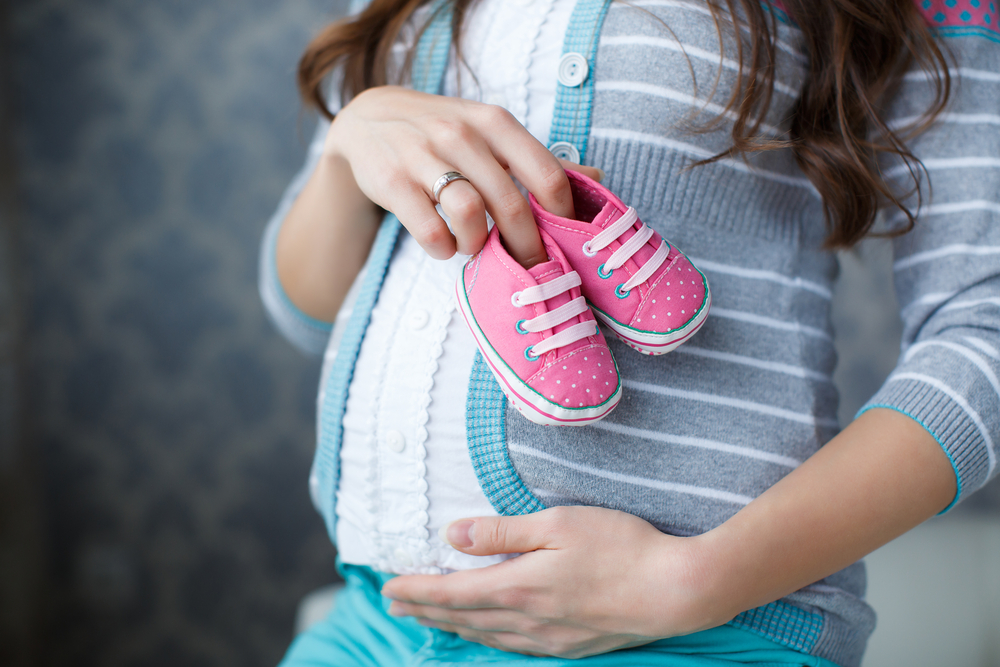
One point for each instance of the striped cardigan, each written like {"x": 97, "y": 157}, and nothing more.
{"x": 703, "y": 431}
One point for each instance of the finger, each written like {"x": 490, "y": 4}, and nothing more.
{"x": 504, "y": 641}
{"x": 509, "y": 208}
{"x": 479, "y": 588}
{"x": 590, "y": 172}
{"x": 485, "y": 536}
{"x": 491, "y": 620}
{"x": 467, "y": 212}
{"x": 529, "y": 161}
{"x": 417, "y": 213}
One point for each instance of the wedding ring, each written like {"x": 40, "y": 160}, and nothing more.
{"x": 446, "y": 178}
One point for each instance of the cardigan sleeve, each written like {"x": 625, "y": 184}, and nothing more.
{"x": 947, "y": 269}
{"x": 305, "y": 332}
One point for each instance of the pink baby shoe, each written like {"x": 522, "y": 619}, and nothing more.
{"x": 538, "y": 335}
{"x": 643, "y": 288}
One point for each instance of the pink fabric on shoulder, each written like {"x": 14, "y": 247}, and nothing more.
{"x": 957, "y": 16}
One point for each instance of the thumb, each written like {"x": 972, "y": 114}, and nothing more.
{"x": 485, "y": 536}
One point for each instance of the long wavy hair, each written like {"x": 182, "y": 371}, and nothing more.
{"x": 858, "y": 52}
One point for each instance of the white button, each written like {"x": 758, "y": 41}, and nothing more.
{"x": 573, "y": 70}
{"x": 419, "y": 319}
{"x": 395, "y": 441}
{"x": 565, "y": 151}
{"x": 402, "y": 557}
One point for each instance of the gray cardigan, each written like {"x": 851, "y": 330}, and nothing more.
{"x": 704, "y": 430}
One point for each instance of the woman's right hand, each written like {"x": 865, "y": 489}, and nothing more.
{"x": 398, "y": 142}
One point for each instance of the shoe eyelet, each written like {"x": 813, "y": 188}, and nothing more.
{"x": 528, "y": 355}
{"x": 514, "y": 299}
{"x": 619, "y": 293}
{"x": 586, "y": 249}
{"x": 600, "y": 272}
{"x": 518, "y": 329}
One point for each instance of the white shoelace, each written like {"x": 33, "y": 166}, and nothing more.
{"x": 627, "y": 249}
{"x": 553, "y": 318}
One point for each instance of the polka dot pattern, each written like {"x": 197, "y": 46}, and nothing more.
{"x": 960, "y": 15}
{"x": 584, "y": 378}
{"x": 955, "y": 16}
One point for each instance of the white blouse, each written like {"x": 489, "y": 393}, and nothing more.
{"x": 405, "y": 466}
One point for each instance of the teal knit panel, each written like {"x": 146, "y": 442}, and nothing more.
{"x": 571, "y": 119}
{"x": 429, "y": 68}
{"x": 485, "y": 432}
{"x": 781, "y": 622}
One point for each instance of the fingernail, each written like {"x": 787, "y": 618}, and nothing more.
{"x": 600, "y": 175}
{"x": 396, "y": 610}
{"x": 458, "y": 533}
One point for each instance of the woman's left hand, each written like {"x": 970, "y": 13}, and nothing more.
{"x": 589, "y": 580}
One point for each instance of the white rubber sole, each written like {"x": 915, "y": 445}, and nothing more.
{"x": 535, "y": 407}
{"x": 653, "y": 343}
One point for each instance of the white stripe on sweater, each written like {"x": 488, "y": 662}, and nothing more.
{"x": 777, "y": 367}
{"x": 994, "y": 301}
{"x": 962, "y": 403}
{"x": 676, "y": 96}
{"x": 702, "y": 9}
{"x": 965, "y": 72}
{"x": 983, "y": 346}
{"x": 947, "y": 251}
{"x": 937, "y": 164}
{"x": 781, "y": 413}
{"x": 769, "y": 322}
{"x": 979, "y": 362}
{"x": 704, "y": 492}
{"x": 955, "y": 118}
{"x": 951, "y": 207}
{"x": 699, "y": 153}
{"x": 759, "y": 274}
{"x": 931, "y": 299}
{"x": 688, "y": 50}
{"x": 700, "y": 443}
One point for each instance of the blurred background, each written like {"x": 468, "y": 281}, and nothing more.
{"x": 155, "y": 432}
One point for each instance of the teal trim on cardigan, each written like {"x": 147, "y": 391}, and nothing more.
{"x": 571, "y": 116}
{"x": 486, "y": 434}
{"x": 951, "y": 459}
{"x": 970, "y": 31}
{"x": 432, "y": 56}
{"x": 783, "y": 623}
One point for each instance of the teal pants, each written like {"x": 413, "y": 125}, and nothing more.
{"x": 359, "y": 632}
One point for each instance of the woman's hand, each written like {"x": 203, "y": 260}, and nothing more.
{"x": 398, "y": 142}
{"x": 589, "y": 580}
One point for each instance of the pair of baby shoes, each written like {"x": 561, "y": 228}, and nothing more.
{"x": 536, "y": 328}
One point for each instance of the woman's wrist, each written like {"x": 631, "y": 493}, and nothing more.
{"x": 694, "y": 592}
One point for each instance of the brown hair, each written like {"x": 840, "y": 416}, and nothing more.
{"x": 858, "y": 51}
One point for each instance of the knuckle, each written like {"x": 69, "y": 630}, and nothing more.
{"x": 497, "y": 115}
{"x": 452, "y": 131}
{"x": 513, "y": 205}
{"x": 433, "y": 233}
{"x": 553, "y": 178}
{"x": 467, "y": 204}
{"x": 439, "y": 598}
{"x": 495, "y": 532}
{"x": 558, "y": 516}
{"x": 511, "y": 598}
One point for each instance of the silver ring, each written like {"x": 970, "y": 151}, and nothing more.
{"x": 446, "y": 178}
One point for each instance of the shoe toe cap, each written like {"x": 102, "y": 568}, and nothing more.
{"x": 583, "y": 378}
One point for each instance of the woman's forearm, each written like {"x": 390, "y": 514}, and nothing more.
{"x": 883, "y": 475}
{"x": 325, "y": 239}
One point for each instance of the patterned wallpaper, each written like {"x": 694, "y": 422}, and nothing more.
{"x": 171, "y": 427}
